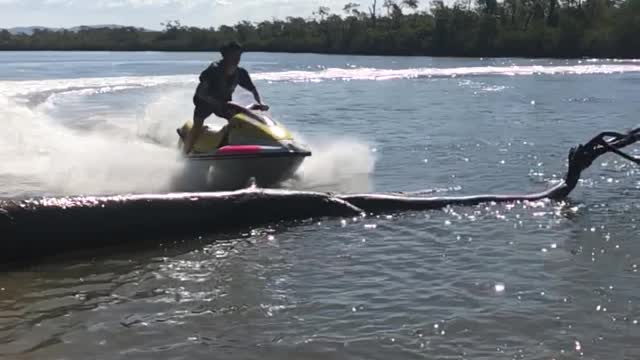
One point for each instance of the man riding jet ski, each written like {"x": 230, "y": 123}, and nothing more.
{"x": 215, "y": 90}
{"x": 251, "y": 147}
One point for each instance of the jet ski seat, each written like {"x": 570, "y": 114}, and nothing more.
{"x": 209, "y": 140}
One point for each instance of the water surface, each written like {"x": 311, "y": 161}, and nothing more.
{"x": 511, "y": 281}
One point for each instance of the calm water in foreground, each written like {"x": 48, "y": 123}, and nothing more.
{"x": 516, "y": 281}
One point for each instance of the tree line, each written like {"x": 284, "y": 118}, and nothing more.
{"x": 527, "y": 28}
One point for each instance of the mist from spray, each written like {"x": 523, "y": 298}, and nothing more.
{"x": 337, "y": 164}
{"x": 40, "y": 156}
{"x": 163, "y": 115}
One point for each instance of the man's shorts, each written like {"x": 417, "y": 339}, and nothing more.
{"x": 204, "y": 109}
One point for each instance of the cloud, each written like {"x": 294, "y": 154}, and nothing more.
{"x": 150, "y": 13}
{"x": 137, "y": 4}
{"x": 58, "y": 2}
{"x": 133, "y": 4}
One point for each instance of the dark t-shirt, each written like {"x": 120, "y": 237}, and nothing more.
{"x": 221, "y": 87}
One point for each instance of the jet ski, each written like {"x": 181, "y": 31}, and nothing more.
{"x": 251, "y": 149}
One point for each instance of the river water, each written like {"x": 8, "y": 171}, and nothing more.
{"x": 511, "y": 281}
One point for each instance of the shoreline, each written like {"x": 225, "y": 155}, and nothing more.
{"x": 438, "y": 56}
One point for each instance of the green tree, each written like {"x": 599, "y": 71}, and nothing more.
{"x": 351, "y": 9}
{"x": 566, "y": 28}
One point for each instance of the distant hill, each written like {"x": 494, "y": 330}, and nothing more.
{"x": 28, "y": 30}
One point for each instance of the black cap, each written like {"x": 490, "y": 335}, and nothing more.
{"x": 231, "y": 46}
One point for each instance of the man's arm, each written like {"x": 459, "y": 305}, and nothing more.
{"x": 256, "y": 96}
{"x": 244, "y": 80}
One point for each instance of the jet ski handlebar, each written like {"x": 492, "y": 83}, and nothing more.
{"x": 259, "y": 107}
{"x": 249, "y": 109}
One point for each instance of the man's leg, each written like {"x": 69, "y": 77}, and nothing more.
{"x": 227, "y": 115}
{"x": 199, "y": 115}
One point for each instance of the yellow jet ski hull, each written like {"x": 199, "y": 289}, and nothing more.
{"x": 248, "y": 150}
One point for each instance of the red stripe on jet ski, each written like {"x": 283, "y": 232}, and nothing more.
{"x": 239, "y": 149}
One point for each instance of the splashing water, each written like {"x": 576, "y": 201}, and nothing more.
{"x": 164, "y": 115}
{"x": 40, "y": 155}
{"x": 344, "y": 165}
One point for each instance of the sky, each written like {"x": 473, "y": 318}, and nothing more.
{"x": 150, "y": 13}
